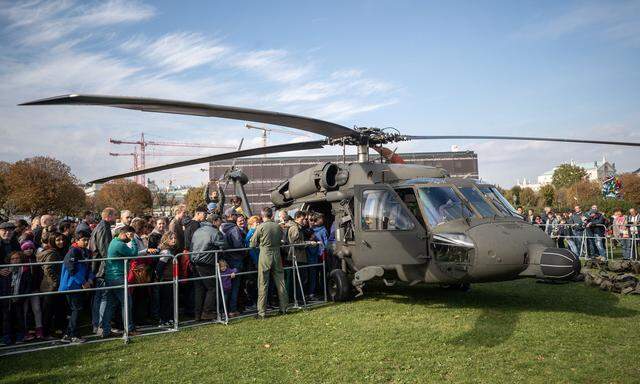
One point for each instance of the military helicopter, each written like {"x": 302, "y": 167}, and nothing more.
{"x": 394, "y": 221}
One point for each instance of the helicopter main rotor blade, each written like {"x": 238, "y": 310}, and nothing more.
{"x": 224, "y": 156}
{"x": 553, "y": 139}
{"x": 320, "y": 127}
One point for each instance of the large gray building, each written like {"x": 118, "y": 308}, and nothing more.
{"x": 266, "y": 173}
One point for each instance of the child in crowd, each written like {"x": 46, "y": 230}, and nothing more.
{"x": 14, "y": 281}
{"x": 33, "y": 303}
{"x": 226, "y": 275}
{"x": 76, "y": 274}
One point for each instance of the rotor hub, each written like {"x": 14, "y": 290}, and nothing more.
{"x": 370, "y": 136}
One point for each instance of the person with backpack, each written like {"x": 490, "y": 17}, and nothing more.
{"x": 234, "y": 236}
{"x": 164, "y": 272}
{"x": 76, "y": 274}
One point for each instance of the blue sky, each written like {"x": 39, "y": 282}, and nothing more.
{"x": 514, "y": 68}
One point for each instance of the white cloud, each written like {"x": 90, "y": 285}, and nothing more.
{"x": 49, "y": 21}
{"x": 177, "y": 52}
{"x": 274, "y": 64}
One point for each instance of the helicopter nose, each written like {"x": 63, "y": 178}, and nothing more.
{"x": 552, "y": 263}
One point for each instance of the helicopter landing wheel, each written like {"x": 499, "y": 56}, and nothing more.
{"x": 338, "y": 287}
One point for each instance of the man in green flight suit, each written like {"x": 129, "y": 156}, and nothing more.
{"x": 268, "y": 237}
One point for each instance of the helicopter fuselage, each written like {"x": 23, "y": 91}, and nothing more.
{"x": 416, "y": 224}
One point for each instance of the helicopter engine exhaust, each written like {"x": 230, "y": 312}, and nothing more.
{"x": 321, "y": 178}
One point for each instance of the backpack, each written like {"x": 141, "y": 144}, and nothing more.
{"x": 139, "y": 273}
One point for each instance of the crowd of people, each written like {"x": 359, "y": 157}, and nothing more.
{"x": 90, "y": 253}
{"x": 586, "y": 233}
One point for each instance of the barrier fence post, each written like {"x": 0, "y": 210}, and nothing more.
{"x": 293, "y": 276}
{"x": 324, "y": 278}
{"x": 125, "y": 331}
{"x": 221, "y": 287}
{"x": 296, "y": 271}
{"x": 175, "y": 292}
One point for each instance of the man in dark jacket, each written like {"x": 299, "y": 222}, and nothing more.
{"x": 192, "y": 225}
{"x": 85, "y": 224}
{"x": 205, "y": 239}
{"x": 595, "y": 227}
{"x": 8, "y": 244}
{"x": 234, "y": 236}
{"x": 99, "y": 244}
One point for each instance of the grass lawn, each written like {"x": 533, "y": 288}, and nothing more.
{"x": 501, "y": 332}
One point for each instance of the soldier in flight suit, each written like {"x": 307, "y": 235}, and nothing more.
{"x": 268, "y": 237}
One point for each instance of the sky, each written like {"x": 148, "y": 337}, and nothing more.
{"x": 534, "y": 68}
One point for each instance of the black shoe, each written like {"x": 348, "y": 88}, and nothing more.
{"x": 259, "y": 317}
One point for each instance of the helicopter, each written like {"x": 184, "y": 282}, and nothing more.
{"x": 392, "y": 221}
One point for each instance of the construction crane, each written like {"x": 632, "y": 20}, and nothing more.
{"x": 140, "y": 153}
{"x": 266, "y": 131}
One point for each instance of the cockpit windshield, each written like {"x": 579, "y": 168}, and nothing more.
{"x": 478, "y": 202}
{"x": 442, "y": 204}
{"x": 499, "y": 201}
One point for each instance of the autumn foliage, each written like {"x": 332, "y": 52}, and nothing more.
{"x": 41, "y": 185}
{"x": 124, "y": 194}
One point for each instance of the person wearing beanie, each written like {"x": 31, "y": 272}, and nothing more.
{"x": 33, "y": 303}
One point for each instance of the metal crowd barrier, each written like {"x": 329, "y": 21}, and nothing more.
{"x": 608, "y": 239}
{"x": 221, "y": 318}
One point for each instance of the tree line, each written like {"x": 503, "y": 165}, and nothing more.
{"x": 43, "y": 185}
{"x": 570, "y": 186}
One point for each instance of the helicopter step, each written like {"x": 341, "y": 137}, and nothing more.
{"x": 365, "y": 274}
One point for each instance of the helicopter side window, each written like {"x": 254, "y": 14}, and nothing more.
{"x": 382, "y": 211}
{"x": 476, "y": 199}
{"x": 442, "y": 204}
{"x": 411, "y": 201}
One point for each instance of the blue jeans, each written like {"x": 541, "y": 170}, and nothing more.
{"x": 75, "y": 305}
{"x": 116, "y": 297}
{"x": 600, "y": 245}
{"x": 235, "y": 285}
{"x": 98, "y": 304}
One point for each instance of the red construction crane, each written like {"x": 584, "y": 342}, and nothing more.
{"x": 140, "y": 153}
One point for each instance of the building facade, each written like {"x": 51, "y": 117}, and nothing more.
{"x": 266, "y": 173}
{"x": 596, "y": 171}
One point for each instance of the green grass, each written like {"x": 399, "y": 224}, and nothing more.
{"x": 501, "y": 332}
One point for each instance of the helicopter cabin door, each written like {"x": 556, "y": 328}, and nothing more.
{"x": 387, "y": 233}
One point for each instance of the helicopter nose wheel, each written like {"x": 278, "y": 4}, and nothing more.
{"x": 338, "y": 287}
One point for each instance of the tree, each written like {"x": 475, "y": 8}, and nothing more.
{"x": 528, "y": 198}
{"x": 515, "y": 192}
{"x": 583, "y": 193}
{"x": 41, "y": 185}
{"x": 124, "y": 194}
{"x": 567, "y": 174}
{"x": 631, "y": 188}
{"x": 547, "y": 195}
{"x": 194, "y": 198}
{"x": 4, "y": 188}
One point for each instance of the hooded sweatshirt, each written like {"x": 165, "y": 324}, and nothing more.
{"x": 75, "y": 272}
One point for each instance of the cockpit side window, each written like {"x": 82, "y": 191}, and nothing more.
{"x": 442, "y": 204}
{"x": 381, "y": 210}
{"x": 479, "y": 203}
{"x": 499, "y": 201}
{"x": 409, "y": 199}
